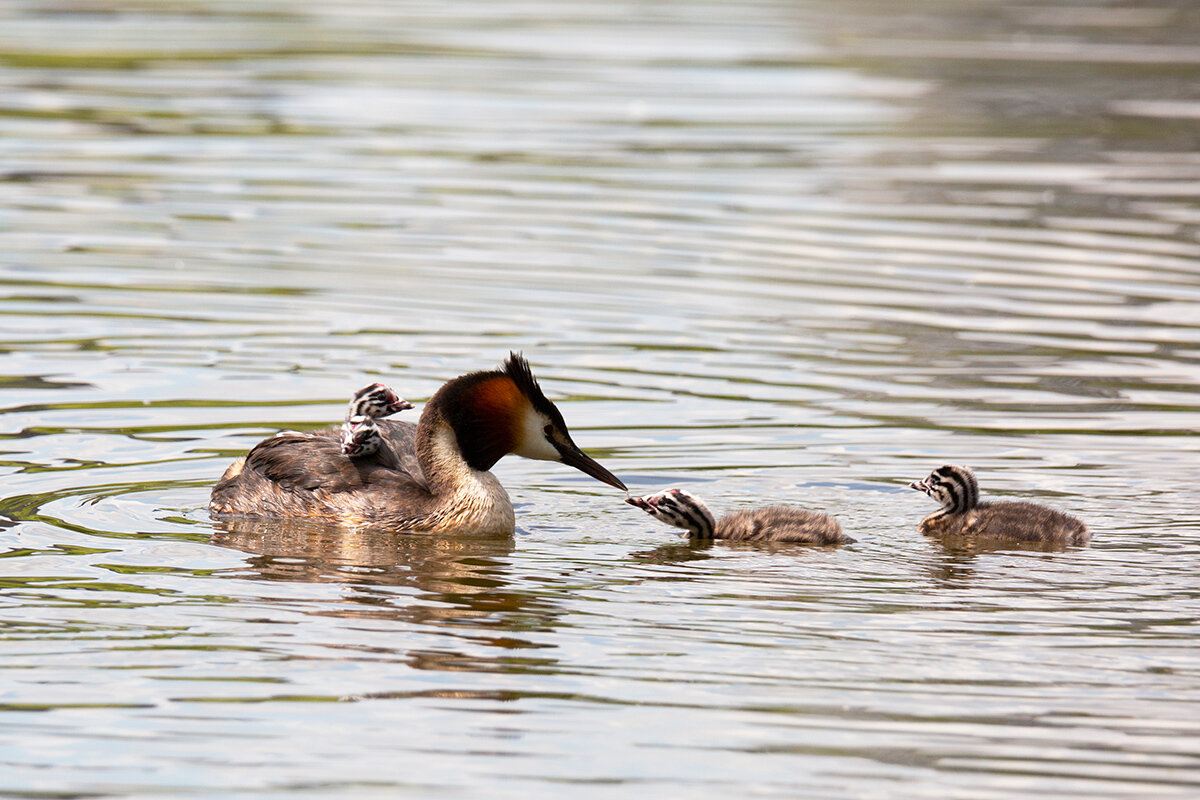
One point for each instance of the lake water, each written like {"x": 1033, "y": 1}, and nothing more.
{"x": 770, "y": 252}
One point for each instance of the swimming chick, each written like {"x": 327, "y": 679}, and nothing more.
{"x": 437, "y": 478}
{"x": 962, "y": 514}
{"x": 770, "y": 524}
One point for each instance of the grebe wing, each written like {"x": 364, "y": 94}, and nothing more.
{"x": 401, "y": 439}
{"x": 311, "y": 461}
{"x": 294, "y": 460}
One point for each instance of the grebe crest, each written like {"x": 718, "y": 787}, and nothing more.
{"x": 492, "y": 414}
{"x": 770, "y": 524}
{"x": 956, "y": 489}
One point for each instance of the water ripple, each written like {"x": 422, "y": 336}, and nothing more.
{"x": 796, "y": 254}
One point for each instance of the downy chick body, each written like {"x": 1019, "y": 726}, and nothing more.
{"x": 962, "y": 514}
{"x": 769, "y": 524}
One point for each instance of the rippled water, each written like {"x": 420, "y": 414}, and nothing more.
{"x": 771, "y": 252}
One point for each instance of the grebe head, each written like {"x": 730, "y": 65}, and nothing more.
{"x": 376, "y": 400}
{"x": 679, "y": 508}
{"x": 504, "y": 411}
{"x": 954, "y": 487}
{"x": 360, "y": 437}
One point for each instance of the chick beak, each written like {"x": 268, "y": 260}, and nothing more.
{"x": 640, "y": 502}
{"x": 574, "y": 457}
{"x": 920, "y": 486}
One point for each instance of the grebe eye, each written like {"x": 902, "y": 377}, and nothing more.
{"x": 548, "y": 430}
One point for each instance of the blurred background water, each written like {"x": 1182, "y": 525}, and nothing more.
{"x": 768, "y": 251}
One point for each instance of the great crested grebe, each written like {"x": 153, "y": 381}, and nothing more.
{"x": 437, "y": 478}
{"x": 362, "y": 438}
{"x": 962, "y": 514}
{"x": 770, "y": 524}
{"x": 376, "y": 401}
{"x": 368, "y": 404}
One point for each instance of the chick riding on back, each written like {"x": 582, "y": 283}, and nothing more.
{"x": 439, "y": 479}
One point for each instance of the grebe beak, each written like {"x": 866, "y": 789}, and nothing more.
{"x": 920, "y": 486}
{"x": 574, "y": 457}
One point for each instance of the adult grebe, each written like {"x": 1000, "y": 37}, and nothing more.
{"x": 962, "y": 514}
{"x": 438, "y": 478}
{"x": 770, "y": 524}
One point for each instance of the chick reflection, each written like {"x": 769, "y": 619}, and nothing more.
{"x": 954, "y": 568}
{"x": 676, "y": 552}
{"x": 460, "y": 578}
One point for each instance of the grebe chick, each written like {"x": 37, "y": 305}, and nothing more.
{"x": 365, "y": 431}
{"x": 376, "y": 400}
{"x": 962, "y": 514}
{"x": 770, "y": 524}
{"x": 436, "y": 478}
{"x": 361, "y": 437}
{"x": 368, "y": 403}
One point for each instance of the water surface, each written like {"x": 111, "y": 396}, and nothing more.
{"x": 788, "y": 252}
